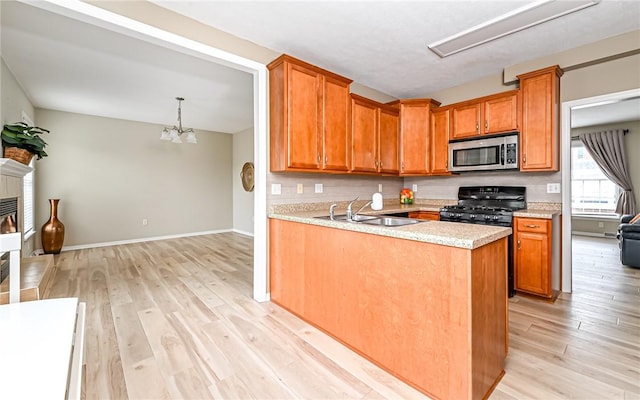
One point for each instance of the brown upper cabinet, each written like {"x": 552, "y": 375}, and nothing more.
{"x": 440, "y": 141}
{"x": 309, "y": 117}
{"x": 374, "y": 136}
{"x": 540, "y": 103}
{"x": 415, "y": 143}
{"x": 485, "y": 116}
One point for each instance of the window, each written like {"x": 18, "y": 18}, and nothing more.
{"x": 27, "y": 202}
{"x": 591, "y": 191}
{"x": 27, "y": 193}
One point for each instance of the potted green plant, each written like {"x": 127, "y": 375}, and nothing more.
{"x": 21, "y": 142}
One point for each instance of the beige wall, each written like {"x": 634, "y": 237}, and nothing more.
{"x": 242, "y": 200}
{"x": 14, "y": 99}
{"x": 632, "y": 144}
{"x": 110, "y": 174}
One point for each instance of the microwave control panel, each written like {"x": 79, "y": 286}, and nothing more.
{"x": 512, "y": 153}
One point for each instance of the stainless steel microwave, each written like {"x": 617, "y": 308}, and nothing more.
{"x": 484, "y": 154}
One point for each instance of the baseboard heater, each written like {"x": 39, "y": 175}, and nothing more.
{"x": 595, "y": 234}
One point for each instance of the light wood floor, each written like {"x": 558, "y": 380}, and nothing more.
{"x": 174, "y": 319}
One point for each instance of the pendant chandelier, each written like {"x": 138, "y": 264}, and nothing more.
{"x": 174, "y": 133}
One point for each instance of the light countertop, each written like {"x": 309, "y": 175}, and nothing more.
{"x": 467, "y": 236}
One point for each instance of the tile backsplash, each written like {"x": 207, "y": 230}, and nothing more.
{"x": 447, "y": 187}
{"x": 347, "y": 187}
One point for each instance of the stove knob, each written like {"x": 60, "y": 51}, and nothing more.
{"x": 487, "y": 217}
{"x": 495, "y": 217}
{"x": 472, "y": 216}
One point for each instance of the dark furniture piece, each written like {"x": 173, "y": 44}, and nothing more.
{"x": 629, "y": 241}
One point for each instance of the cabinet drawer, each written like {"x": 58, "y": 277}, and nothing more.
{"x": 426, "y": 215}
{"x": 532, "y": 225}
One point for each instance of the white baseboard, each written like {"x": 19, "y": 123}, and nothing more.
{"x": 139, "y": 240}
{"x": 243, "y": 232}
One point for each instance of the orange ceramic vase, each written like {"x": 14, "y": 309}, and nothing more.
{"x": 52, "y": 231}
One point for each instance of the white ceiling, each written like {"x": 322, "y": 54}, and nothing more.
{"x": 68, "y": 65}
{"x": 383, "y": 44}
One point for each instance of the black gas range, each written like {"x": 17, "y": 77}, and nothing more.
{"x": 488, "y": 205}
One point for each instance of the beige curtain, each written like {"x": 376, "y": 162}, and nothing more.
{"x": 607, "y": 150}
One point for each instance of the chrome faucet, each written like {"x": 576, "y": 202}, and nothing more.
{"x": 349, "y": 211}
{"x": 351, "y": 215}
{"x": 332, "y": 210}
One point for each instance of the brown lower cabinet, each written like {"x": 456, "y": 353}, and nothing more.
{"x": 426, "y": 215}
{"x": 533, "y": 256}
{"x": 419, "y": 310}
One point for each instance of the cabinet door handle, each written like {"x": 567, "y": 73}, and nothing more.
{"x": 486, "y": 126}
{"x": 318, "y": 158}
{"x": 376, "y": 163}
{"x": 532, "y": 226}
{"x": 477, "y": 127}
{"x": 380, "y": 164}
{"x": 326, "y": 160}
{"x": 518, "y": 244}
{"x": 524, "y": 158}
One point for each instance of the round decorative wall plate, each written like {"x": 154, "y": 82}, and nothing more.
{"x": 247, "y": 176}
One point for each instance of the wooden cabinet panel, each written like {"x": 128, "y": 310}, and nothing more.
{"x": 466, "y": 120}
{"x": 309, "y": 117}
{"x": 501, "y": 114}
{"x": 539, "y": 136}
{"x": 388, "y": 306}
{"x": 440, "y": 141}
{"x": 374, "y": 136}
{"x": 388, "y": 141}
{"x": 414, "y": 135}
{"x": 488, "y": 115}
{"x": 336, "y": 147}
{"x": 364, "y": 136}
{"x": 304, "y": 113}
{"x": 281, "y": 276}
{"x": 533, "y": 264}
{"x": 426, "y": 215}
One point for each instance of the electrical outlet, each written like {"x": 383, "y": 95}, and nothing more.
{"x": 380, "y": 187}
{"x": 300, "y": 188}
{"x": 414, "y": 187}
{"x": 319, "y": 188}
{"x": 145, "y": 222}
{"x": 553, "y": 188}
{"x": 276, "y": 188}
{"x": 600, "y": 224}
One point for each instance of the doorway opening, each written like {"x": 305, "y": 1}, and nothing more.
{"x": 569, "y": 111}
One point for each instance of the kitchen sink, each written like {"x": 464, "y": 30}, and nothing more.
{"x": 374, "y": 220}
{"x": 392, "y": 221}
{"x": 356, "y": 218}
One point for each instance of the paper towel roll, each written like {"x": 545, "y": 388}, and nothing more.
{"x": 376, "y": 201}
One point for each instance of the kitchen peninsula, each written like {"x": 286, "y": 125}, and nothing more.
{"x": 427, "y": 302}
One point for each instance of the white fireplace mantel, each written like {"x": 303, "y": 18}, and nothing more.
{"x": 13, "y": 168}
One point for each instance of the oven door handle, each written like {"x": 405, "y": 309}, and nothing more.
{"x": 502, "y": 153}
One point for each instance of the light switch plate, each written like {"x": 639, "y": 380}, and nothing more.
{"x": 380, "y": 187}
{"x": 276, "y": 188}
{"x": 553, "y": 188}
{"x": 414, "y": 187}
{"x": 319, "y": 188}
{"x": 300, "y": 188}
